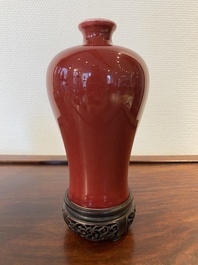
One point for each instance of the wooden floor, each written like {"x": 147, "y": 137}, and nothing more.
{"x": 165, "y": 229}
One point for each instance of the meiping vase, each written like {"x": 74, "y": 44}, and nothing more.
{"x": 97, "y": 92}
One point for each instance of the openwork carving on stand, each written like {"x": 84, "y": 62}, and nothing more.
{"x": 93, "y": 232}
{"x": 131, "y": 217}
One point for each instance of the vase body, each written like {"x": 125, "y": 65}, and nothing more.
{"x": 97, "y": 92}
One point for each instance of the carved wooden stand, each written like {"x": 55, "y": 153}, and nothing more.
{"x": 99, "y": 224}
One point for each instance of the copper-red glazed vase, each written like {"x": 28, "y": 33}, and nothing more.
{"x": 97, "y": 92}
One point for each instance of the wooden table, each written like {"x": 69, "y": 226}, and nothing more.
{"x": 165, "y": 229}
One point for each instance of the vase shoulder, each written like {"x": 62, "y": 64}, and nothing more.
{"x": 113, "y": 69}
{"x": 115, "y": 50}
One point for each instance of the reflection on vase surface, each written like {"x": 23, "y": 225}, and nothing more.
{"x": 97, "y": 92}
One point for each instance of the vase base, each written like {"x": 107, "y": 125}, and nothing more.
{"x": 99, "y": 224}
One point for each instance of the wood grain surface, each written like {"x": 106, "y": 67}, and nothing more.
{"x": 165, "y": 229}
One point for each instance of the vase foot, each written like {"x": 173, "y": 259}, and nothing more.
{"x": 99, "y": 224}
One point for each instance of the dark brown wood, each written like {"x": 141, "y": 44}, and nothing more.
{"x": 164, "y": 232}
{"x": 62, "y": 159}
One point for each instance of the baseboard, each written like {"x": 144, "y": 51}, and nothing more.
{"x": 59, "y": 159}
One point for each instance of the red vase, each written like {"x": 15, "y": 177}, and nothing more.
{"x": 97, "y": 92}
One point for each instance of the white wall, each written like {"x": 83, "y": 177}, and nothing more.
{"x": 164, "y": 33}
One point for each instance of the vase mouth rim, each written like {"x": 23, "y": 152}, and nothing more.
{"x": 97, "y": 22}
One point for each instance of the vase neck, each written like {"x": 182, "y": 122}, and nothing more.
{"x": 97, "y": 32}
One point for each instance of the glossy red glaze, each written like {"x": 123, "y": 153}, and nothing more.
{"x": 97, "y": 91}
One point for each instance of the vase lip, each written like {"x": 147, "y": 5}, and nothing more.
{"x": 97, "y": 22}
